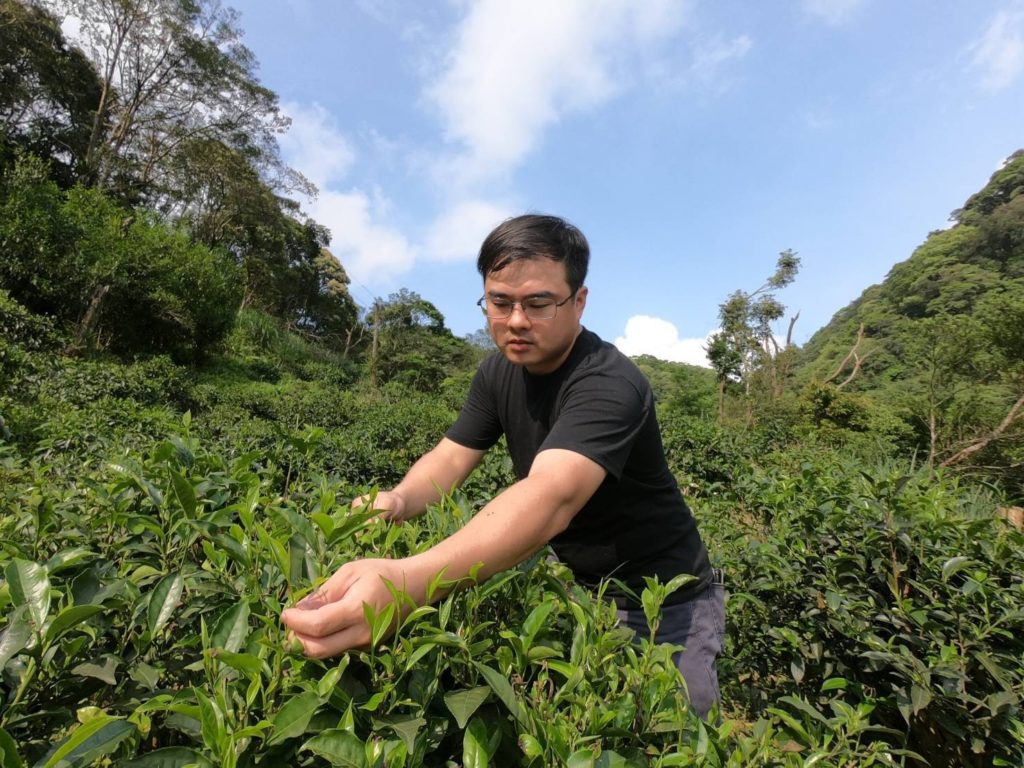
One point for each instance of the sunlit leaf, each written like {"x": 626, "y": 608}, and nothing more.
{"x": 30, "y": 586}
{"x": 163, "y": 601}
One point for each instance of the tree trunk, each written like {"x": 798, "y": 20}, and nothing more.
{"x": 91, "y": 316}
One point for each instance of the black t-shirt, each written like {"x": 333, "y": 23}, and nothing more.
{"x": 597, "y": 404}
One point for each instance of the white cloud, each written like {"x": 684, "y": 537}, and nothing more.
{"x": 456, "y": 235}
{"x": 516, "y": 68}
{"x": 709, "y": 56}
{"x": 999, "y": 53}
{"x": 647, "y": 335}
{"x": 369, "y": 251}
{"x": 315, "y": 146}
{"x": 834, "y": 12}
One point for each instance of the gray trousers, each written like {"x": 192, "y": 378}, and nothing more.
{"x": 699, "y": 626}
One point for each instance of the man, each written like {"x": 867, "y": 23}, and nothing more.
{"x": 593, "y": 481}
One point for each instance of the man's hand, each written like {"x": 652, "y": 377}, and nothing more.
{"x": 331, "y": 620}
{"x": 389, "y": 505}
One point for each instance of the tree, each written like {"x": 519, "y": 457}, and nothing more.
{"x": 745, "y": 348}
{"x": 48, "y": 89}
{"x": 172, "y": 72}
{"x": 411, "y": 343}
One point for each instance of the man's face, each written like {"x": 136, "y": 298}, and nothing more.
{"x": 539, "y": 345}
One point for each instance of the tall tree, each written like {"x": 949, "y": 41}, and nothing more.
{"x": 48, "y": 89}
{"x": 746, "y": 347}
{"x": 172, "y": 72}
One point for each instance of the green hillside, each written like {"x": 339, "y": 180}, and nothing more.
{"x": 941, "y": 345}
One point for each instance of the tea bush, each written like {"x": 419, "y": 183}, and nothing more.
{"x": 890, "y": 586}
{"x": 141, "y": 604}
{"x": 874, "y": 616}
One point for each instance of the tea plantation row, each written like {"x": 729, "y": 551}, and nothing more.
{"x": 875, "y": 616}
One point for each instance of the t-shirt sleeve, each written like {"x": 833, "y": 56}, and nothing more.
{"x": 478, "y": 426}
{"x": 600, "y": 417}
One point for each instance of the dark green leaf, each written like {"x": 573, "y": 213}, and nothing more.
{"x": 9, "y": 757}
{"x": 232, "y": 627}
{"x": 104, "y": 668}
{"x": 405, "y": 727}
{"x": 68, "y": 619}
{"x": 183, "y": 492}
{"x": 503, "y": 689}
{"x": 87, "y": 743}
{"x": 170, "y": 757}
{"x": 292, "y": 719}
{"x": 339, "y": 748}
{"x": 462, "y": 704}
{"x": 15, "y": 637}
{"x": 68, "y": 558}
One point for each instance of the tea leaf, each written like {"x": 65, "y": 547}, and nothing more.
{"x": 954, "y": 565}
{"x": 30, "y": 586}
{"x": 474, "y": 745}
{"x": 183, "y": 492}
{"x": 9, "y": 757}
{"x": 170, "y": 757}
{"x": 103, "y": 668}
{"x": 88, "y": 743}
{"x": 405, "y": 727}
{"x": 462, "y": 704}
{"x": 292, "y": 719}
{"x": 68, "y": 619}
{"x": 339, "y": 748}
{"x": 245, "y": 663}
{"x": 530, "y": 746}
{"x": 535, "y": 621}
{"x": 503, "y": 689}
{"x": 163, "y": 600}
{"x": 15, "y": 637}
{"x": 68, "y": 558}
{"x": 232, "y": 627}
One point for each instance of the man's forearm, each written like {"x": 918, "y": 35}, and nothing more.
{"x": 513, "y": 526}
{"x": 437, "y": 471}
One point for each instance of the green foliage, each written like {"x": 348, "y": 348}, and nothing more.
{"x": 412, "y": 344}
{"x": 890, "y": 587}
{"x": 122, "y": 279}
{"x": 141, "y": 621}
{"x": 685, "y": 389}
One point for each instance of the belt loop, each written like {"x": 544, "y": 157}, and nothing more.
{"x": 718, "y": 577}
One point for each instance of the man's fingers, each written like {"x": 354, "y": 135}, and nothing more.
{"x": 357, "y": 636}
{"x": 324, "y": 620}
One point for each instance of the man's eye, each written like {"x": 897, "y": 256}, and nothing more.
{"x": 538, "y": 303}
{"x": 499, "y": 303}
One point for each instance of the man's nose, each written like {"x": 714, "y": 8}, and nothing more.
{"x": 518, "y": 318}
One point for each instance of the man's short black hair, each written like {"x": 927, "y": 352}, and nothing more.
{"x": 531, "y": 236}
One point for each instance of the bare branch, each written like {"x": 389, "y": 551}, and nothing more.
{"x": 970, "y": 450}
{"x": 851, "y": 355}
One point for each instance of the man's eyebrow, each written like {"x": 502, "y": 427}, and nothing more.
{"x": 535, "y": 295}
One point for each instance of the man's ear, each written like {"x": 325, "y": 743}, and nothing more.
{"x": 581, "y": 301}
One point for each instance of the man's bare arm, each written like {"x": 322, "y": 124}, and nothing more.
{"x": 445, "y": 466}
{"x": 517, "y": 523}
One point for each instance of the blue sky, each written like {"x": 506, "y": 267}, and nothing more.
{"x": 690, "y": 140}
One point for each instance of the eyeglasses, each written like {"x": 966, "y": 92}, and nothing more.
{"x": 535, "y": 308}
